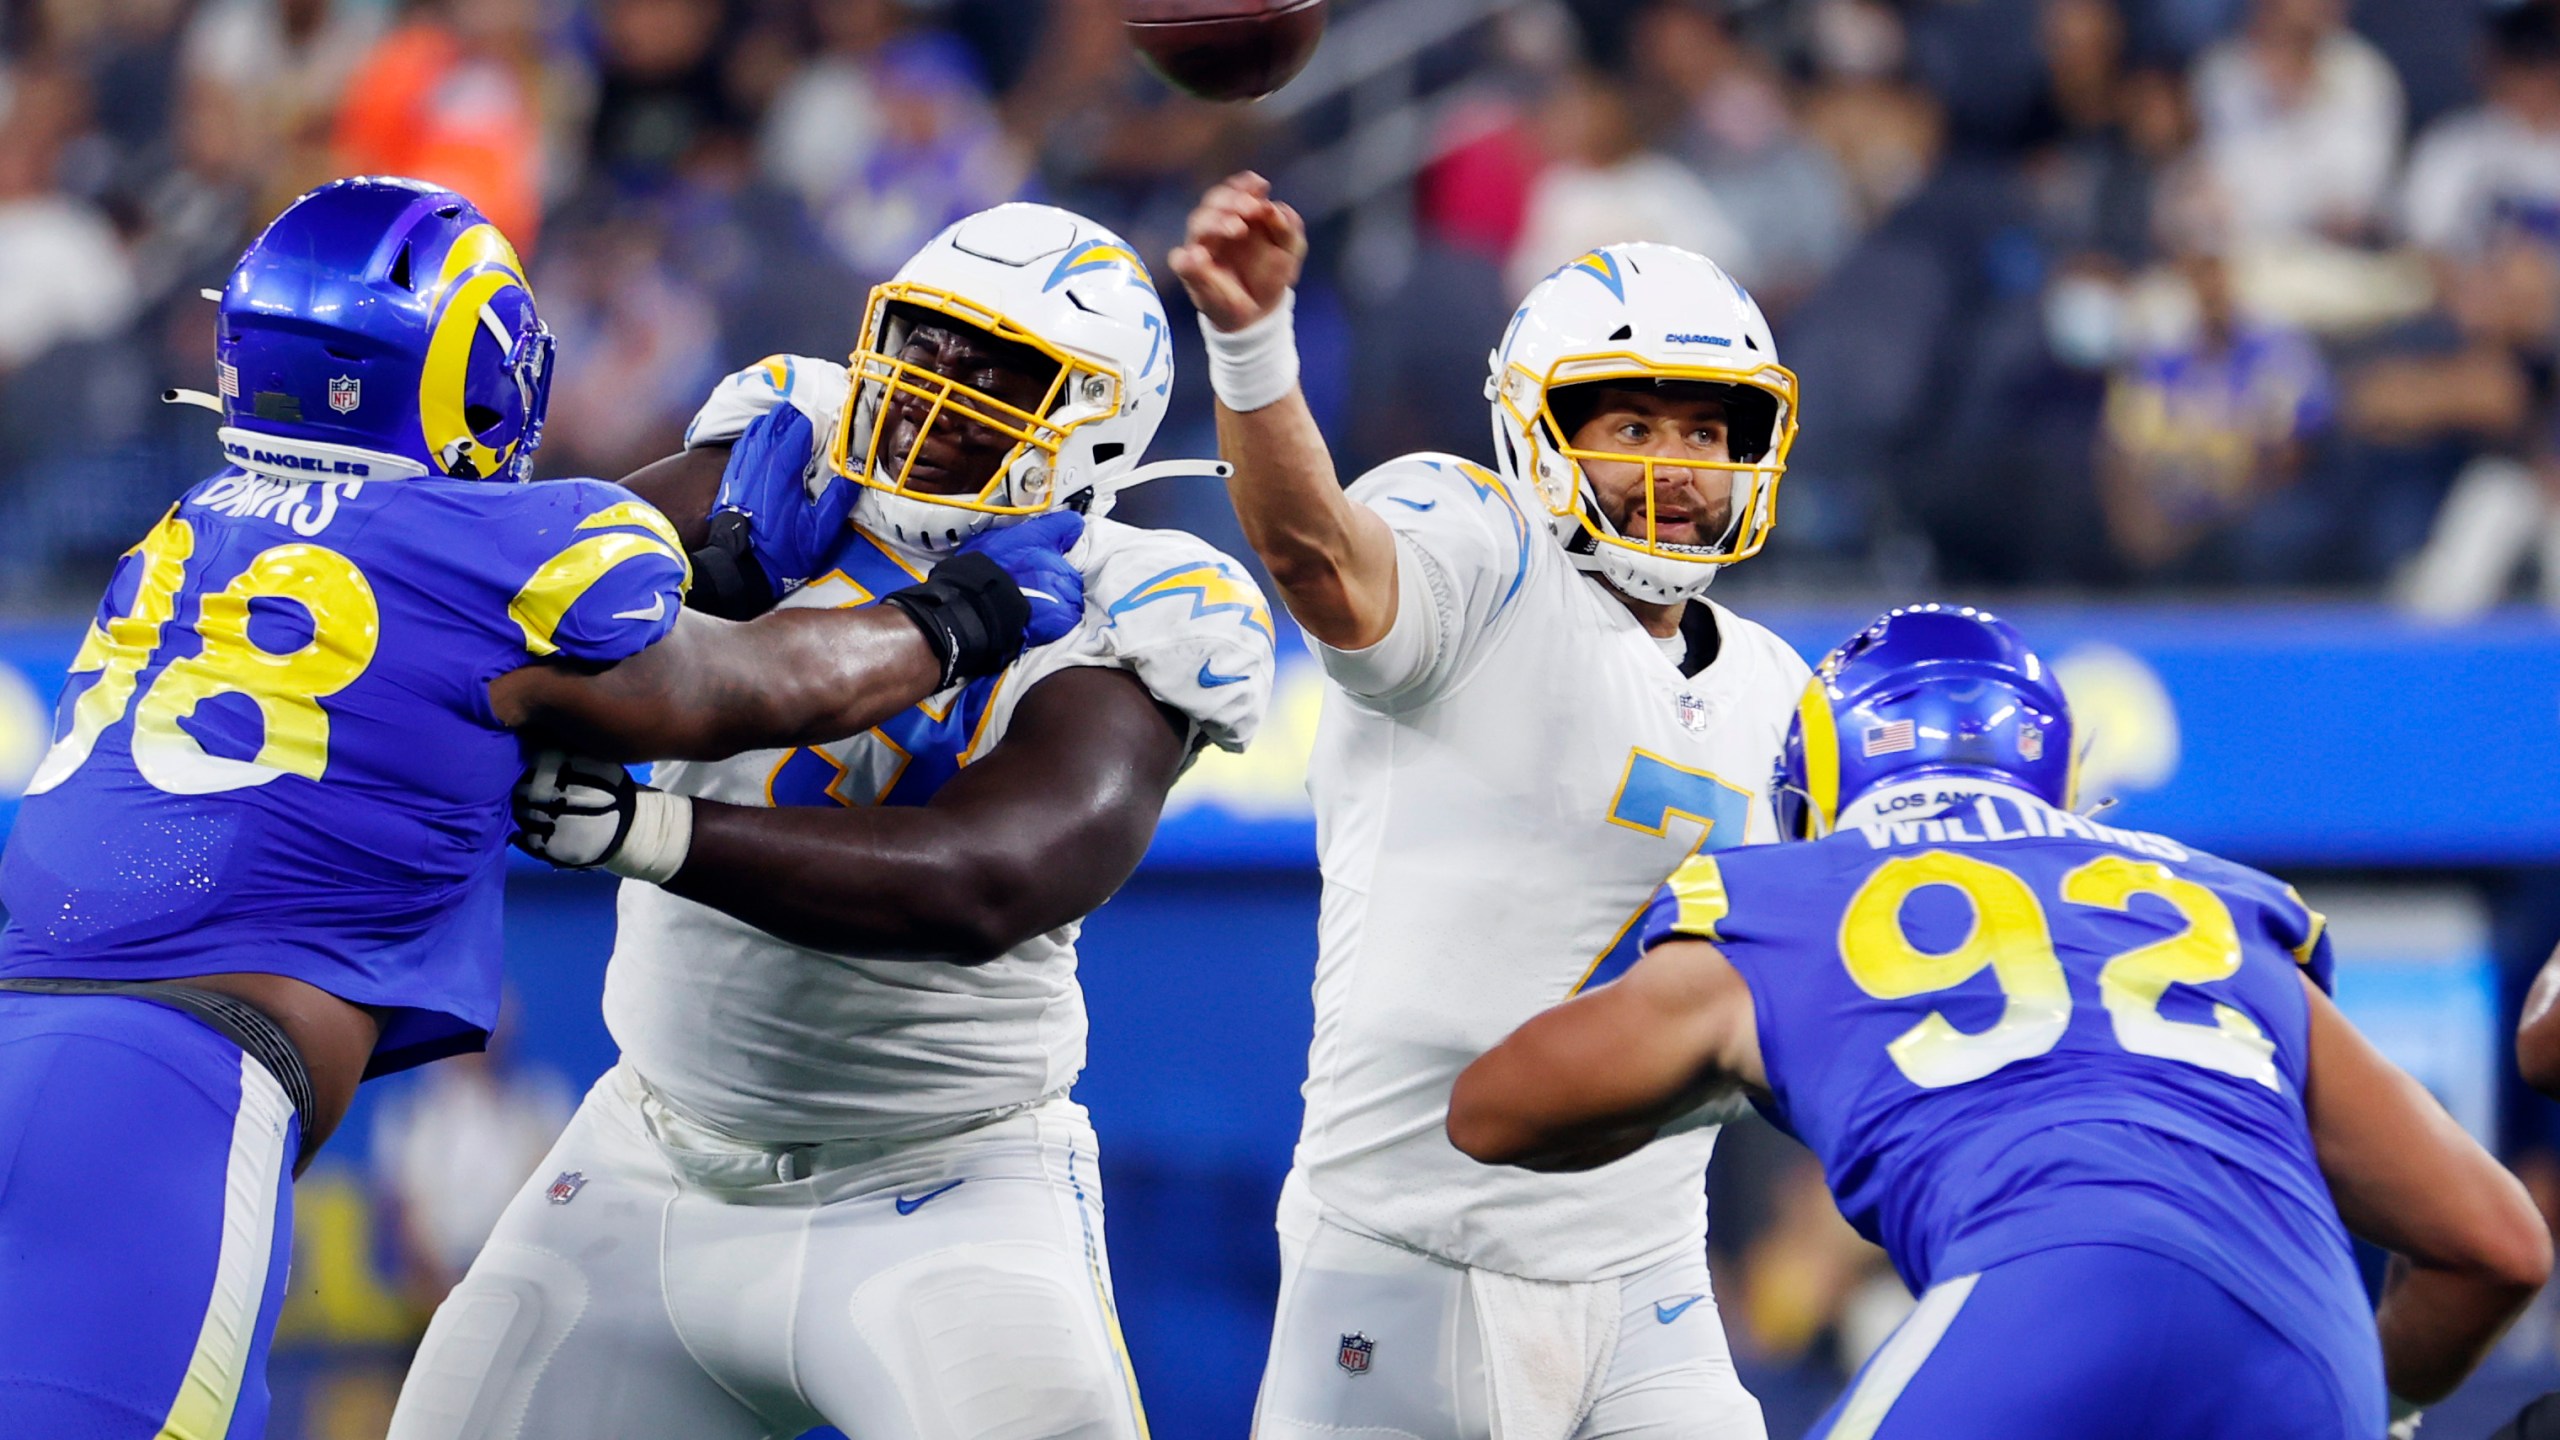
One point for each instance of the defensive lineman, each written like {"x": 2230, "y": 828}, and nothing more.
{"x": 2084, "y": 1085}
{"x": 836, "y": 1178}
{"x": 1533, "y": 714}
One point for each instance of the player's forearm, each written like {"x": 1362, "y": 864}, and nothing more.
{"x": 2438, "y": 1325}
{"x": 2538, "y": 1033}
{"x": 1334, "y": 562}
{"x": 1572, "y": 1089}
{"x": 895, "y": 882}
{"x": 682, "y": 487}
{"x": 712, "y": 688}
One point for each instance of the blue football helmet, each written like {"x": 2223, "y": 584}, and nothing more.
{"x": 382, "y": 327}
{"x": 1925, "y": 690}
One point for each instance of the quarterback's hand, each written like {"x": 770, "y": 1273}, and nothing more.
{"x": 790, "y": 528}
{"x": 1033, "y": 555}
{"x": 1241, "y": 252}
{"x": 581, "y": 813}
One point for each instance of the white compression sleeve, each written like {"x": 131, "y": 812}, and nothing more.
{"x": 661, "y": 835}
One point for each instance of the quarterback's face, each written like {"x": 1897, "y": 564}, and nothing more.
{"x": 958, "y": 456}
{"x": 1691, "y": 506}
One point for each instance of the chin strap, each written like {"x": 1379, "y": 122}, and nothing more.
{"x": 1097, "y": 500}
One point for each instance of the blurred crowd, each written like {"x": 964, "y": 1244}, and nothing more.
{"x": 2085, "y": 294}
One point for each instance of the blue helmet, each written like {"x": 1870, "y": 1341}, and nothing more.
{"x": 1926, "y": 690}
{"x": 382, "y": 327}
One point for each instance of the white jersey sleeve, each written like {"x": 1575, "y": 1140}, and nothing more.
{"x": 1174, "y": 611}
{"x": 1464, "y": 548}
{"x": 817, "y": 387}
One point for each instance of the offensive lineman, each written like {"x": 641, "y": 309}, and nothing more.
{"x": 1522, "y": 734}
{"x": 837, "y": 1178}
{"x": 2084, "y": 1085}
{"x": 261, "y": 861}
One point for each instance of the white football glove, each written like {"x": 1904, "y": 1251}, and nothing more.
{"x": 2405, "y": 1419}
{"x": 581, "y": 813}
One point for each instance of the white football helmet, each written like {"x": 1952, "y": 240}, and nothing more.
{"x": 1634, "y": 313}
{"x": 1033, "y": 275}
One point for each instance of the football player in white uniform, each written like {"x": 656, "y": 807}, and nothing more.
{"x": 836, "y": 1177}
{"x": 1533, "y": 715}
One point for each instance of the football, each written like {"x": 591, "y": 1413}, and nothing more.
{"x": 1225, "y": 49}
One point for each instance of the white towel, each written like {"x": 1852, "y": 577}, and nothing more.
{"x": 1547, "y": 1348}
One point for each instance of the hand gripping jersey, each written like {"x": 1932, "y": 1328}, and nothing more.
{"x": 276, "y": 752}
{"x": 772, "y": 1042}
{"x": 2005, "y": 1029}
{"x": 1500, "y": 785}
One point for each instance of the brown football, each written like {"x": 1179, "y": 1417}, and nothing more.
{"x": 1225, "y": 49}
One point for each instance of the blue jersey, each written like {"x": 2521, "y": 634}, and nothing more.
{"x": 2006, "y": 1029}
{"x": 275, "y": 752}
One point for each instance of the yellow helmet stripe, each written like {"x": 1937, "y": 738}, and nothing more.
{"x": 440, "y": 415}
{"x": 477, "y": 246}
{"x": 1821, "y": 751}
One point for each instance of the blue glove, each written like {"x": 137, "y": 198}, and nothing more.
{"x": 1034, "y": 555}
{"x": 789, "y": 534}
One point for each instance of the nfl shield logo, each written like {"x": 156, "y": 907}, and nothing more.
{"x": 566, "y": 1188}
{"x": 345, "y": 393}
{"x": 1693, "y": 713}
{"x": 1355, "y": 1352}
{"x": 2030, "y": 743}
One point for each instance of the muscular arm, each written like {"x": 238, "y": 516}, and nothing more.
{"x": 1334, "y": 561}
{"x": 713, "y": 688}
{"x": 2469, "y": 1248}
{"x": 683, "y": 486}
{"x": 1595, "y": 1078}
{"x": 1037, "y": 834}
{"x": 2538, "y": 1033}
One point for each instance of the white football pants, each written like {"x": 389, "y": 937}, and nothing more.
{"x": 652, "y": 1280}
{"x": 1386, "y": 1343}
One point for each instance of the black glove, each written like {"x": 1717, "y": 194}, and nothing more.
{"x": 728, "y": 582}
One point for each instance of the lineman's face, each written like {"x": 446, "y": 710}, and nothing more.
{"x": 1691, "y": 506}
{"x": 958, "y": 456}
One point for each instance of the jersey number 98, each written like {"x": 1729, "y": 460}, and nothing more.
{"x": 285, "y": 686}
{"x": 2009, "y": 937}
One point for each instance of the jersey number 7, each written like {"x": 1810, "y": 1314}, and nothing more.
{"x": 286, "y": 686}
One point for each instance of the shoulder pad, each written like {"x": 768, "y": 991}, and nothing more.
{"x": 817, "y": 387}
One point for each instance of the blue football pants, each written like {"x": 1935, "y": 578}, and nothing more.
{"x": 2098, "y": 1342}
{"x": 145, "y": 1209}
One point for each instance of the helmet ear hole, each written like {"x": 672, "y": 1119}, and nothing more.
{"x": 481, "y": 418}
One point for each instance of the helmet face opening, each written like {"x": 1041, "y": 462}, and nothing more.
{"x": 1077, "y": 390}
{"x": 1760, "y": 406}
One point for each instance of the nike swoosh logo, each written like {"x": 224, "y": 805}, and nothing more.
{"x": 1209, "y": 679}
{"x": 1665, "y": 1314}
{"x": 1415, "y": 504}
{"x": 657, "y": 611}
{"x": 909, "y": 1207}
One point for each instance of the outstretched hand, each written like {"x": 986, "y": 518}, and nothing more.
{"x": 1241, "y": 252}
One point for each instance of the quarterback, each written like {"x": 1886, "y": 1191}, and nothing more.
{"x": 837, "y": 1177}
{"x": 262, "y": 860}
{"x": 2084, "y": 1085}
{"x": 1533, "y": 715}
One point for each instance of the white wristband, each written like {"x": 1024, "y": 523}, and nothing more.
{"x": 1257, "y": 365}
{"x": 661, "y": 834}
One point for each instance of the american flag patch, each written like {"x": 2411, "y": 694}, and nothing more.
{"x": 1885, "y": 739}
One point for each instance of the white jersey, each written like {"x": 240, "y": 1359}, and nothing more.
{"x": 1500, "y": 786}
{"x": 769, "y": 1041}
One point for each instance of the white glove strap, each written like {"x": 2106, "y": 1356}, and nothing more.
{"x": 1257, "y": 365}
{"x": 661, "y": 833}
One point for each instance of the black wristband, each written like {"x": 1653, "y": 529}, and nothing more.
{"x": 971, "y": 613}
{"x": 727, "y": 581}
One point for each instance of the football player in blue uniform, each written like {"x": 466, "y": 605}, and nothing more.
{"x": 2084, "y": 1085}
{"x": 263, "y": 858}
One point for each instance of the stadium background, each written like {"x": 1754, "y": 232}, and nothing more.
{"x": 2213, "y": 340}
